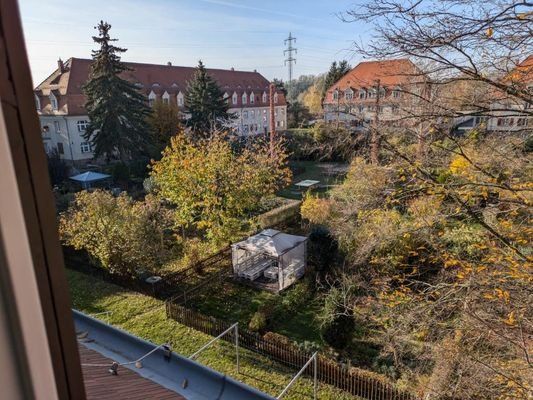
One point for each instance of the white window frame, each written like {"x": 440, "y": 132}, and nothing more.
{"x": 252, "y": 98}
{"x": 180, "y": 99}
{"x": 37, "y": 103}
{"x": 244, "y": 98}
{"x": 85, "y": 147}
{"x": 335, "y": 95}
{"x": 53, "y": 101}
{"x": 151, "y": 98}
{"x": 234, "y": 98}
{"x": 166, "y": 98}
{"x": 275, "y": 98}
{"x": 362, "y": 94}
{"x": 348, "y": 95}
{"x": 82, "y": 125}
{"x": 265, "y": 98}
{"x": 57, "y": 127}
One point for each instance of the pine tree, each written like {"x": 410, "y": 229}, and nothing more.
{"x": 336, "y": 72}
{"x": 117, "y": 110}
{"x": 206, "y": 104}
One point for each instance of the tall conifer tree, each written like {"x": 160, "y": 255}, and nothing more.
{"x": 206, "y": 104}
{"x": 117, "y": 110}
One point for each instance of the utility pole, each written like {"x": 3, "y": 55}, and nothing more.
{"x": 376, "y": 139}
{"x": 272, "y": 120}
{"x": 290, "y": 51}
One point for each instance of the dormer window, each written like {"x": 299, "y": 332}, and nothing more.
{"x": 252, "y": 98}
{"x": 37, "y": 103}
{"x": 166, "y": 97}
{"x": 244, "y": 98}
{"x": 226, "y": 97}
{"x": 348, "y": 95}
{"x": 151, "y": 98}
{"x": 362, "y": 94}
{"x": 371, "y": 94}
{"x": 234, "y": 98}
{"x": 396, "y": 93}
{"x": 336, "y": 95}
{"x": 264, "y": 97}
{"x": 53, "y": 101}
{"x": 180, "y": 99}
{"x": 275, "y": 98}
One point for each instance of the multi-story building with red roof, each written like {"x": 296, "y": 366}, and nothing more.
{"x": 372, "y": 91}
{"x": 60, "y": 100}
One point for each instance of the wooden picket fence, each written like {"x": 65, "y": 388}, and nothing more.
{"x": 329, "y": 371}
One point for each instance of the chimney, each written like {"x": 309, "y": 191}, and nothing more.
{"x": 169, "y": 63}
{"x": 232, "y": 69}
{"x": 60, "y": 65}
{"x": 255, "y": 70}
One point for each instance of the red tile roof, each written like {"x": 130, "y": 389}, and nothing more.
{"x": 101, "y": 385}
{"x": 159, "y": 78}
{"x": 390, "y": 73}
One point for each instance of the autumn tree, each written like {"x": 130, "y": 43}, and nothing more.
{"x": 215, "y": 188}
{"x": 206, "y": 104}
{"x": 165, "y": 121}
{"x": 117, "y": 110}
{"x": 119, "y": 234}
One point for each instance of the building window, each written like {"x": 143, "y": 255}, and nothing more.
{"x": 37, "y": 103}
{"x": 151, "y": 98}
{"x": 245, "y": 128}
{"x": 166, "y": 98}
{"x": 252, "y": 98}
{"x": 57, "y": 127}
{"x": 60, "y": 148}
{"x": 336, "y": 95}
{"x": 244, "y": 98}
{"x": 82, "y": 125}
{"x": 252, "y": 114}
{"x": 180, "y": 99}
{"x": 226, "y": 97}
{"x": 278, "y": 124}
{"x": 275, "y": 98}
{"x": 505, "y": 122}
{"x": 362, "y": 94}
{"x": 370, "y": 94}
{"x": 245, "y": 114}
{"x": 234, "y": 98}
{"x": 85, "y": 147}
{"x": 53, "y": 101}
{"x": 360, "y": 107}
{"x": 264, "y": 97}
{"x": 396, "y": 93}
{"x": 348, "y": 95}
{"x": 395, "y": 109}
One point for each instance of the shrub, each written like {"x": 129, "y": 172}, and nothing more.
{"x": 338, "y": 331}
{"x": 322, "y": 248}
{"x": 258, "y": 323}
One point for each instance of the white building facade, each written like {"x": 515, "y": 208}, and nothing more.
{"x": 60, "y": 101}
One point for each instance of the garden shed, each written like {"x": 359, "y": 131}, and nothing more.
{"x": 271, "y": 259}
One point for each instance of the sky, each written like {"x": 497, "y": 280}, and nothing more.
{"x": 244, "y": 34}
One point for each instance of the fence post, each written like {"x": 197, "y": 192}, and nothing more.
{"x": 237, "y": 344}
{"x": 314, "y": 374}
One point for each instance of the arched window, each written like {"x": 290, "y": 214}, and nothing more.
{"x": 166, "y": 97}
{"x": 53, "y": 101}
{"x": 244, "y": 98}
{"x": 264, "y": 97}
{"x": 275, "y": 98}
{"x": 336, "y": 95}
{"x": 180, "y": 99}
{"x": 234, "y": 98}
{"x": 252, "y": 98}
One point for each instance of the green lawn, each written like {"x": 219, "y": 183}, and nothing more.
{"x": 145, "y": 317}
{"x": 325, "y": 172}
{"x": 234, "y": 302}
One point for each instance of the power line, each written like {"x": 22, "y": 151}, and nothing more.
{"x": 290, "y": 50}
